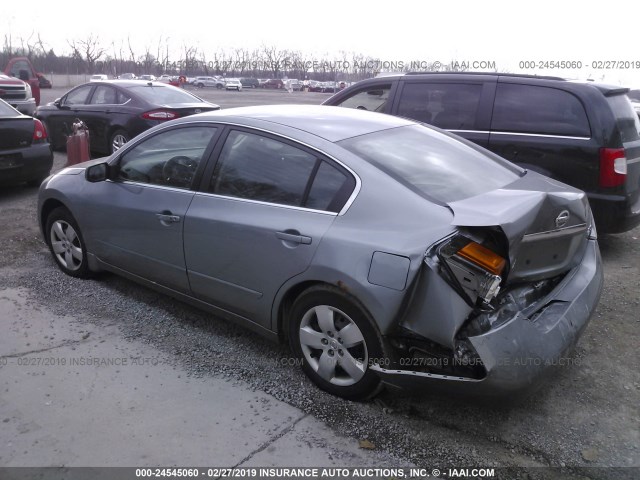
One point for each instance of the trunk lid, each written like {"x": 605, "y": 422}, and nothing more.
{"x": 15, "y": 132}
{"x": 545, "y": 222}
{"x": 185, "y": 109}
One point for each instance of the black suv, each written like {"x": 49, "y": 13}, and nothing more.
{"x": 581, "y": 133}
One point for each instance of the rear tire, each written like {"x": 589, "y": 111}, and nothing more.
{"x": 336, "y": 342}
{"x": 118, "y": 139}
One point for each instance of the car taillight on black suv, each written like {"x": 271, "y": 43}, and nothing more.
{"x": 580, "y": 133}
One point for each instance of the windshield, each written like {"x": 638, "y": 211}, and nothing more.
{"x": 164, "y": 95}
{"x": 433, "y": 164}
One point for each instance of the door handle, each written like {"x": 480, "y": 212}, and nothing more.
{"x": 168, "y": 217}
{"x": 294, "y": 237}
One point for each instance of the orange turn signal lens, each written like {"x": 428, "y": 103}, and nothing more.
{"x": 485, "y": 258}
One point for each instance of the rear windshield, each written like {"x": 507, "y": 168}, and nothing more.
{"x": 7, "y": 110}
{"x": 626, "y": 118}
{"x": 164, "y": 95}
{"x": 634, "y": 95}
{"x": 433, "y": 164}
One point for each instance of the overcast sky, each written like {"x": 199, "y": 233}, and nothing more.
{"x": 505, "y": 32}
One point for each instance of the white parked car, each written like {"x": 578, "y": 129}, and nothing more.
{"x": 293, "y": 85}
{"x": 202, "y": 82}
{"x": 233, "y": 84}
{"x": 148, "y": 78}
{"x": 98, "y": 78}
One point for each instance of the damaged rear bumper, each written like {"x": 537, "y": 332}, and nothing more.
{"x": 517, "y": 354}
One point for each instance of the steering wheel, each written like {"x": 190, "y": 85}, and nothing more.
{"x": 178, "y": 171}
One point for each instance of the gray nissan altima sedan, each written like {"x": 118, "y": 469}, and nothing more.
{"x": 382, "y": 250}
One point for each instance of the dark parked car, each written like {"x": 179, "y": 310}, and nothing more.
{"x": 25, "y": 153}
{"x": 381, "y": 249}
{"x": 116, "y": 111}
{"x": 273, "y": 83}
{"x": 250, "y": 82}
{"x": 315, "y": 86}
{"x": 581, "y": 133}
{"x": 329, "y": 87}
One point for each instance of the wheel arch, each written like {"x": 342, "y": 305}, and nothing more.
{"x": 293, "y": 292}
{"x": 112, "y": 130}
{"x": 49, "y": 205}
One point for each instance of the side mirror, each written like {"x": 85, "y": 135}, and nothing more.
{"x": 97, "y": 173}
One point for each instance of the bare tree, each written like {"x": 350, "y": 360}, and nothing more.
{"x": 275, "y": 59}
{"x": 87, "y": 49}
{"x": 190, "y": 62}
{"x": 147, "y": 60}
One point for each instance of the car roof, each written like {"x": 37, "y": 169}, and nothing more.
{"x": 331, "y": 123}
{"x": 606, "y": 90}
{"x": 130, "y": 83}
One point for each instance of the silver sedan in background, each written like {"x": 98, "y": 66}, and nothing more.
{"x": 382, "y": 250}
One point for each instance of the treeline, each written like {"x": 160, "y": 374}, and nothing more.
{"x": 90, "y": 56}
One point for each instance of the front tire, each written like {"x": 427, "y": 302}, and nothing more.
{"x": 66, "y": 243}
{"x": 336, "y": 342}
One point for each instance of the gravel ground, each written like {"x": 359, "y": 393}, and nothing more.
{"x": 586, "y": 416}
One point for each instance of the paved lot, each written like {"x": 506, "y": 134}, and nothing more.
{"x": 214, "y": 393}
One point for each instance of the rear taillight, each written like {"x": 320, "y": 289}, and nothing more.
{"x": 475, "y": 268}
{"x": 39, "y": 132}
{"x": 160, "y": 115}
{"x": 483, "y": 257}
{"x": 613, "y": 167}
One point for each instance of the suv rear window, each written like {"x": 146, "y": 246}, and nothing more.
{"x": 627, "y": 119}
{"x": 542, "y": 110}
{"x": 432, "y": 164}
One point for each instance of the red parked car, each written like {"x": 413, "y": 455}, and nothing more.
{"x": 273, "y": 83}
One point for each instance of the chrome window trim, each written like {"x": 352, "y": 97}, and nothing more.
{"x": 543, "y": 135}
{"x": 344, "y": 209}
{"x": 270, "y": 204}
{"x": 152, "y": 185}
{"x": 467, "y": 131}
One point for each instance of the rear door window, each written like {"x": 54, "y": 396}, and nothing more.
{"x": 256, "y": 167}
{"x": 450, "y": 106}
{"x": 104, "y": 95}
{"x": 538, "y": 110}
